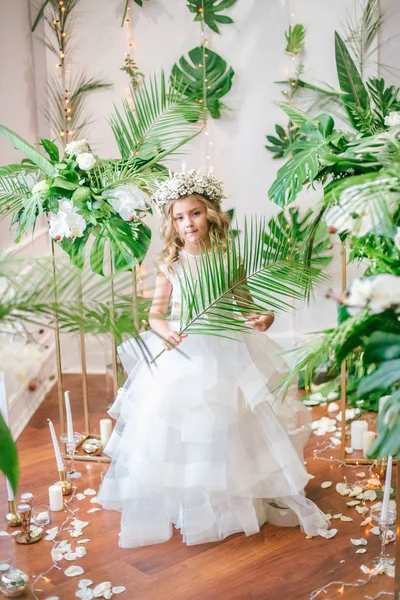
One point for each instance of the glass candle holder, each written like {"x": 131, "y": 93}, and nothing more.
{"x": 40, "y": 515}
{"x": 71, "y": 448}
{"x": 387, "y": 534}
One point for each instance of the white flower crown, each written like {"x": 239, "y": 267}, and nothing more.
{"x": 184, "y": 184}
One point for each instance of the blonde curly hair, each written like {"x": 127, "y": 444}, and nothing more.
{"x": 173, "y": 244}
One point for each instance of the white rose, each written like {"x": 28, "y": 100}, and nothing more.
{"x": 40, "y": 188}
{"x": 385, "y": 293}
{"x": 67, "y": 223}
{"x": 397, "y": 239}
{"x": 86, "y": 161}
{"x": 393, "y": 119}
{"x": 126, "y": 200}
{"x": 75, "y": 148}
{"x": 359, "y": 295}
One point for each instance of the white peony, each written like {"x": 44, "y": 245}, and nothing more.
{"x": 86, "y": 161}
{"x": 75, "y": 148}
{"x": 126, "y": 200}
{"x": 385, "y": 293}
{"x": 359, "y": 295}
{"x": 67, "y": 223}
{"x": 40, "y": 188}
{"x": 397, "y": 239}
{"x": 393, "y": 119}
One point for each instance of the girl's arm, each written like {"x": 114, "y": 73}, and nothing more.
{"x": 260, "y": 322}
{"x": 159, "y": 310}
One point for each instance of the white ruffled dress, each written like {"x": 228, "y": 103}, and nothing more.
{"x": 207, "y": 445}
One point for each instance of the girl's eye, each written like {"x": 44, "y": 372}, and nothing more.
{"x": 197, "y": 212}
{"x": 177, "y": 218}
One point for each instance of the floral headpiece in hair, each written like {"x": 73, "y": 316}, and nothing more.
{"x": 183, "y": 184}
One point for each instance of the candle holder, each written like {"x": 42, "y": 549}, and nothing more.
{"x": 71, "y": 449}
{"x": 27, "y": 535}
{"x": 386, "y": 535}
{"x": 13, "y": 518}
{"x": 64, "y": 483}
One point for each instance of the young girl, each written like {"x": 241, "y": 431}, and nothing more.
{"x": 203, "y": 444}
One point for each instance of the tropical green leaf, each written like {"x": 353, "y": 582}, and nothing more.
{"x": 382, "y": 346}
{"x": 387, "y": 374}
{"x": 388, "y": 427}
{"x": 29, "y": 151}
{"x": 298, "y": 116}
{"x": 163, "y": 120}
{"x": 191, "y": 76}
{"x": 301, "y": 168}
{"x": 285, "y": 138}
{"x": 208, "y": 10}
{"x": 8, "y": 455}
{"x": 295, "y": 39}
{"x": 351, "y": 84}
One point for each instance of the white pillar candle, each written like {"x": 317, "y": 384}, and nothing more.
{"x": 386, "y": 491}
{"x": 368, "y": 439}
{"x": 4, "y": 413}
{"x": 56, "y": 498}
{"x": 70, "y": 426}
{"x": 60, "y": 464}
{"x": 105, "y": 431}
{"x": 357, "y": 430}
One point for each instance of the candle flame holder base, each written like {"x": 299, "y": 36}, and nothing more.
{"x": 13, "y": 518}
{"x": 64, "y": 483}
{"x": 28, "y": 538}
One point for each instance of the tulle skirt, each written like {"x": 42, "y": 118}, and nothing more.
{"x": 207, "y": 444}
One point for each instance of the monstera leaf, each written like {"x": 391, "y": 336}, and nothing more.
{"x": 208, "y": 10}
{"x": 8, "y": 455}
{"x": 190, "y": 74}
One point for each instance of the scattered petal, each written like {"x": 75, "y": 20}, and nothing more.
{"x": 3, "y": 534}
{"x": 337, "y": 516}
{"x": 359, "y": 542}
{"x": 344, "y": 518}
{"x": 80, "y": 551}
{"x": 70, "y": 556}
{"x": 107, "y": 595}
{"x": 84, "y": 583}
{"x": 326, "y": 484}
{"x": 366, "y": 521}
{"x": 360, "y": 475}
{"x": 14, "y": 533}
{"x": 118, "y": 589}
{"x": 80, "y": 496}
{"x": 90, "y": 492}
{"x": 361, "y": 551}
{"x": 84, "y": 541}
{"x": 94, "y": 500}
{"x": 362, "y": 509}
{"x": 327, "y": 534}
{"x": 75, "y": 533}
{"x": 370, "y": 495}
{"x": 353, "y": 502}
{"x": 328, "y": 516}
{"x": 335, "y": 441}
{"x": 333, "y": 406}
{"x": 77, "y": 524}
{"x": 73, "y": 571}
{"x": 84, "y": 593}
{"x": 51, "y": 534}
{"x": 342, "y": 489}
{"x": 348, "y": 450}
{"x": 365, "y": 569}
{"x": 356, "y": 491}
{"x": 92, "y": 510}
{"x": 101, "y": 588}
{"x": 374, "y": 530}
{"x": 56, "y": 555}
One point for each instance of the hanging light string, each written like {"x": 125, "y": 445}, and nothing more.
{"x": 128, "y": 27}
{"x": 60, "y": 27}
{"x": 206, "y": 86}
{"x": 343, "y": 585}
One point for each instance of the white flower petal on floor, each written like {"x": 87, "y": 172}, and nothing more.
{"x": 84, "y": 583}
{"x": 101, "y": 588}
{"x": 92, "y": 510}
{"x": 359, "y": 541}
{"x": 370, "y": 495}
{"x": 80, "y": 551}
{"x": 327, "y": 533}
{"x": 80, "y": 496}
{"x": 345, "y": 518}
{"x": 70, "y": 556}
{"x": 118, "y": 589}
{"x": 360, "y": 475}
{"x": 361, "y": 551}
{"x": 90, "y": 492}
{"x": 73, "y": 571}
{"x": 84, "y": 541}
{"x": 353, "y": 502}
{"x": 326, "y": 484}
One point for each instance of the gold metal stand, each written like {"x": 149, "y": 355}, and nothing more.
{"x": 13, "y": 518}
{"x": 58, "y": 345}
{"x": 83, "y": 362}
{"x": 397, "y": 554}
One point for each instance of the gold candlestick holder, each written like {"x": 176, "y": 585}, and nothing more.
{"x": 64, "y": 483}
{"x": 13, "y": 518}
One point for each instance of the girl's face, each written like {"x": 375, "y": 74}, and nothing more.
{"x": 190, "y": 218}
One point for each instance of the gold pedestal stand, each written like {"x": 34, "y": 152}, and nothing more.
{"x": 64, "y": 483}
{"x": 13, "y": 518}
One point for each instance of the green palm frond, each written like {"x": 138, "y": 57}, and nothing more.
{"x": 14, "y": 189}
{"x": 361, "y": 34}
{"x": 386, "y": 99}
{"x": 163, "y": 120}
{"x": 295, "y": 39}
{"x": 246, "y": 278}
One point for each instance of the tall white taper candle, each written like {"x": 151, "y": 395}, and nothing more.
{"x": 386, "y": 491}
{"x": 4, "y": 413}
{"x": 60, "y": 464}
{"x": 70, "y": 426}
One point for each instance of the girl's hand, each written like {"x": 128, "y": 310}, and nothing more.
{"x": 173, "y": 339}
{"x": 260, "y": 322}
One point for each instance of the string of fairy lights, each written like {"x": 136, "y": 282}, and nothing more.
{"x": 204, "y": 44}
{"x": 59, "y": 27}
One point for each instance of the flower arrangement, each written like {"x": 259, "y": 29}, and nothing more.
{"x": 184, "y": 184}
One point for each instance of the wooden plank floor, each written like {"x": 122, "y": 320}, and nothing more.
{"x": 276, "y": 564}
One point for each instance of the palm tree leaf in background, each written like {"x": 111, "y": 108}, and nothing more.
{"x": 29, "y": 151}
{"x": 362, "y": 33}
{"x": 209, "y": 11}
{"x": 355, "y": 95}
{"x": 190, "y": 76}
{"x": 163, "y": 120}
{"x": 295, "y": 39}
{"x": 385, "y": 99}
{"x": 8, "y": 455}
